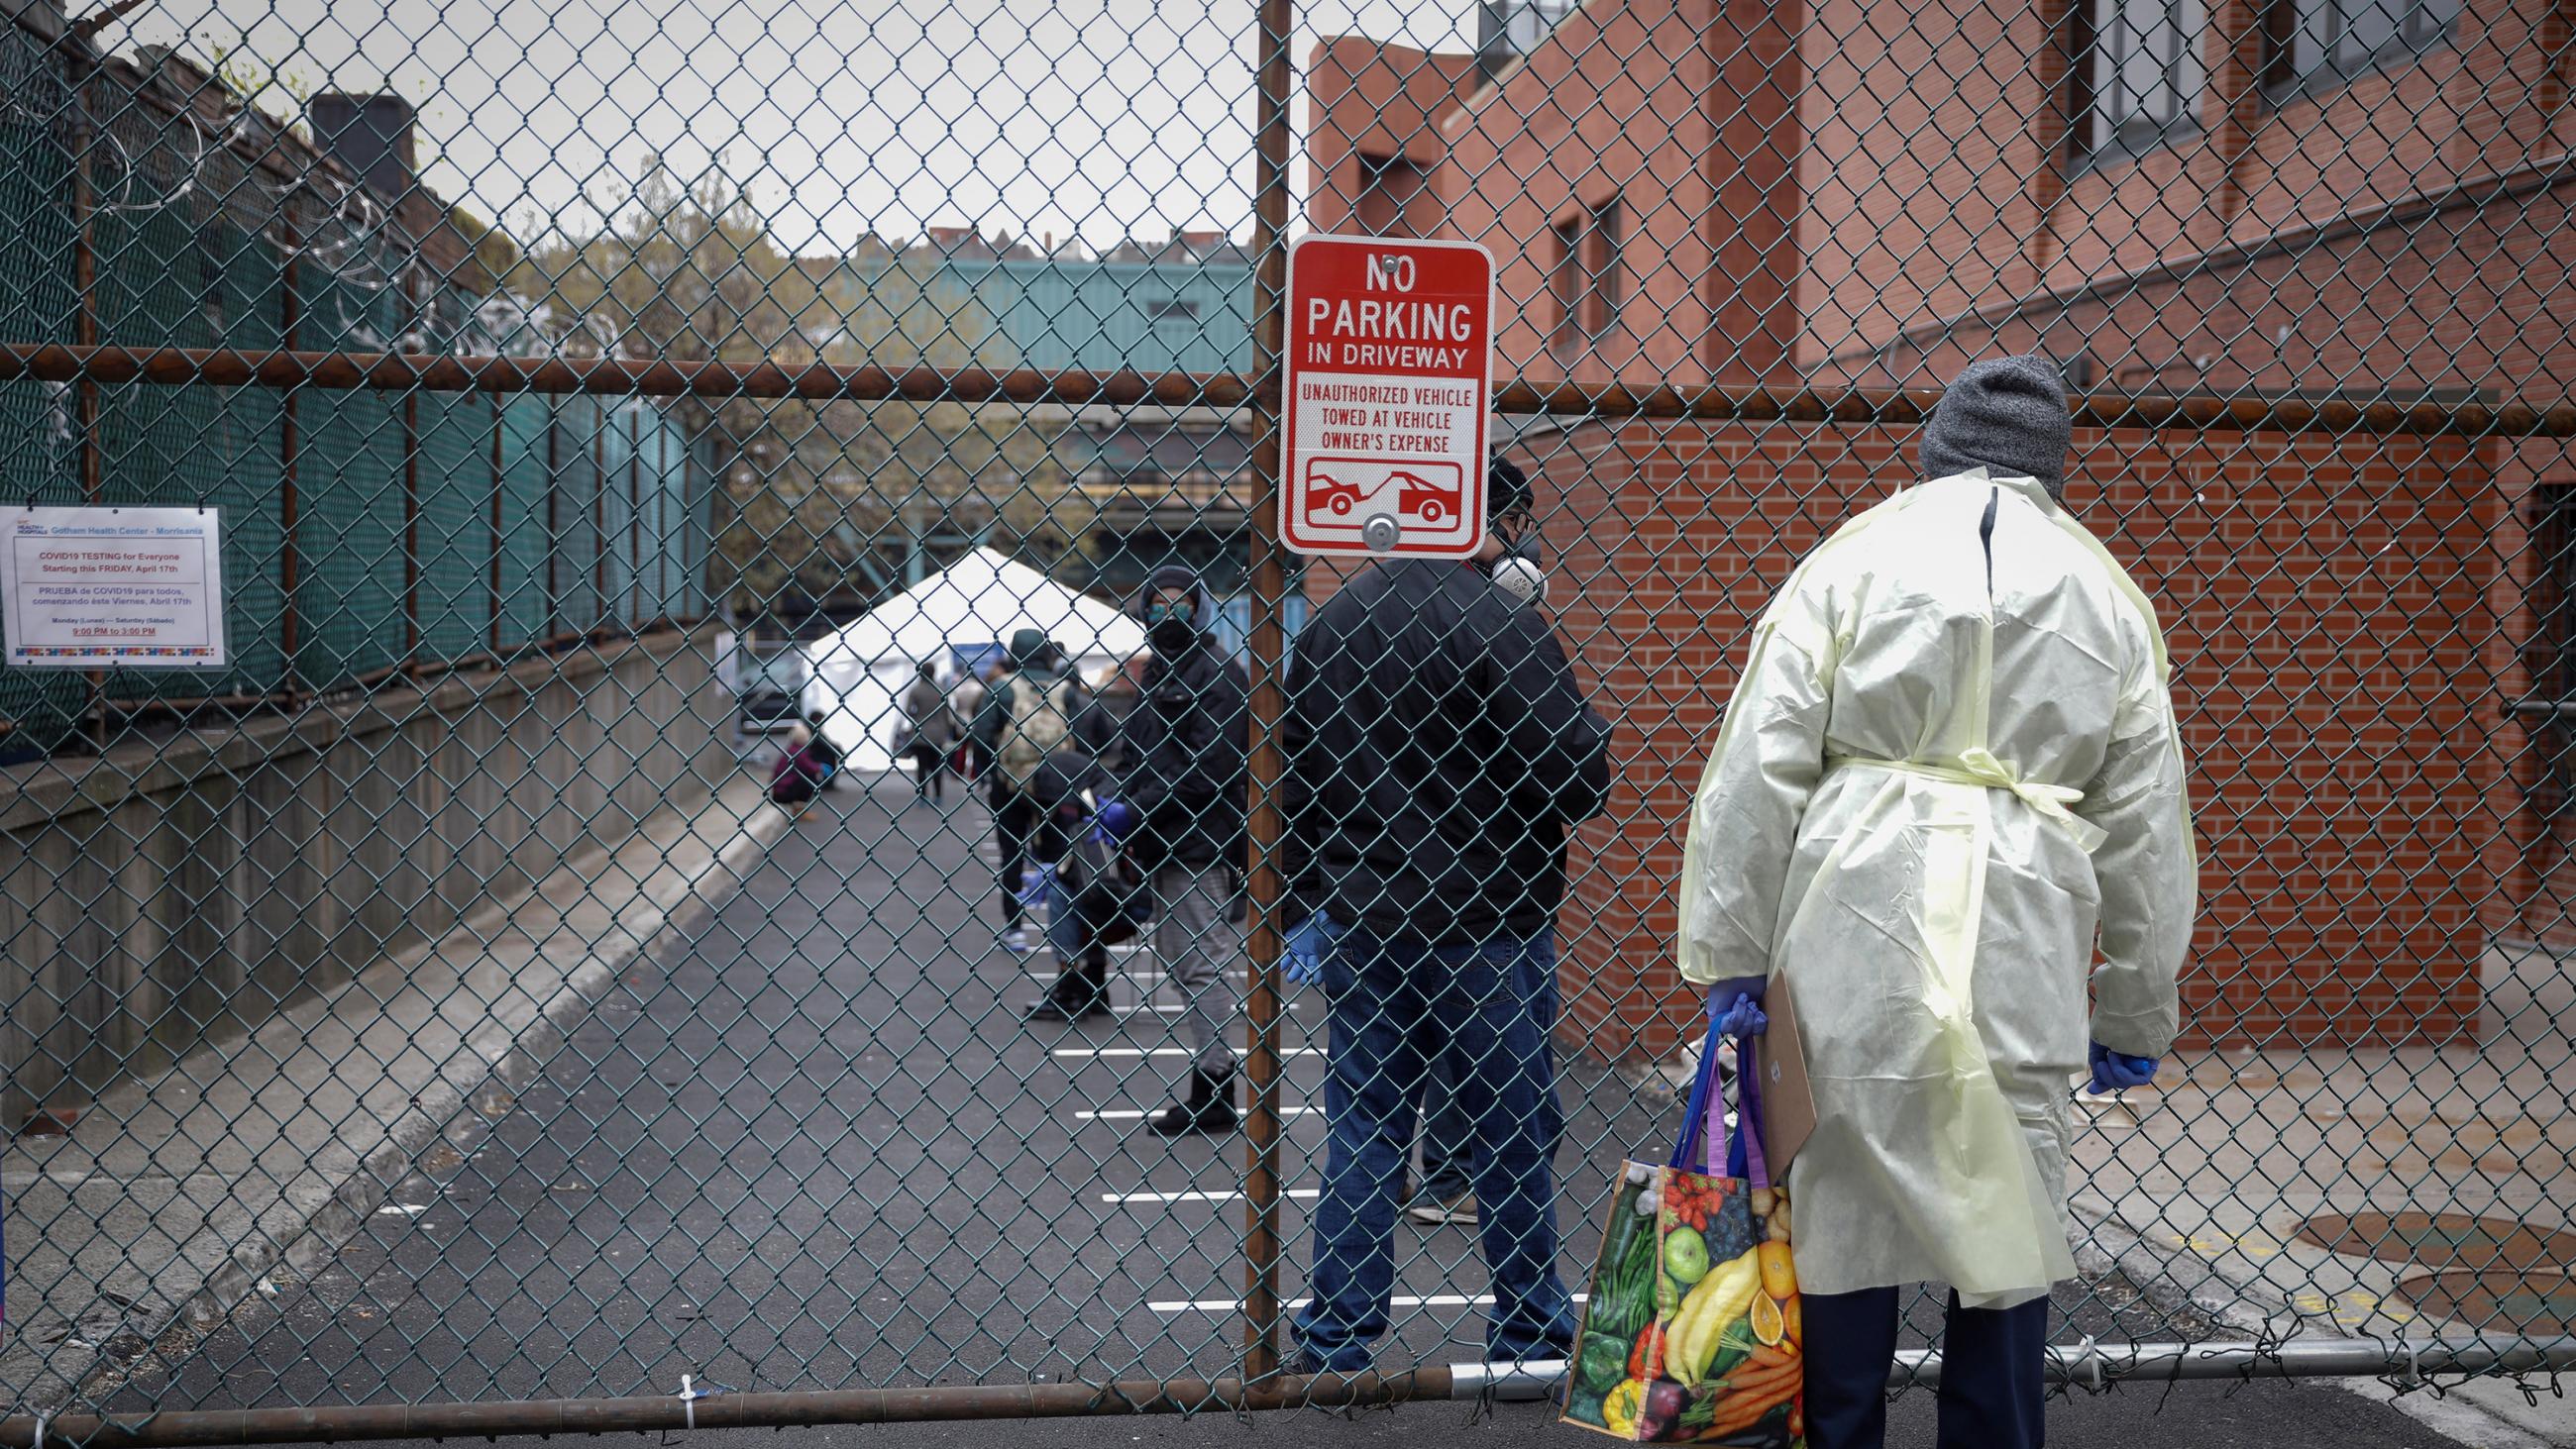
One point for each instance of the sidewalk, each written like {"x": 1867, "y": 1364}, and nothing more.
{"x": 168, "y": 1200}
{"x": 2221, "y": 1186}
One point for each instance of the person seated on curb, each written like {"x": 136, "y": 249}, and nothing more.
{"x": 797, "y": 773}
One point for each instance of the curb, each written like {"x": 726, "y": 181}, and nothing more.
{"x": 442, "y": 1108}
{"x": 2118, "y": 1246}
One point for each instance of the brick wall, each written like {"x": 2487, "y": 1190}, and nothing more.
{"x": 1672, "y": 109}
{"x": 1881, "y": 194}
{"x": 1936, "y": 186}
{"x": 2329, "y": 613}
{"x": 1373, "y": 102}
{"x": 2471, "y": 302}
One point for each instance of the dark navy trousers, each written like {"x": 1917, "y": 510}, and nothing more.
{"x": 1991, "y": 1361}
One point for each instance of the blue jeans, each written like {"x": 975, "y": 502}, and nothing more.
{"x": 1484, "y": 1012}
{"x": 1064, "y": 925}
{"x": 1448, "y": 1152}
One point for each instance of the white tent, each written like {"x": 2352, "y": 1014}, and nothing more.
{"x": 859, "y": 673}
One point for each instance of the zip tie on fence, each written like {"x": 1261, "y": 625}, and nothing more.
{"x": 42, "y": 1417}
{"x": 2092, "y": 1355}
{"x": 689, "y": 1396}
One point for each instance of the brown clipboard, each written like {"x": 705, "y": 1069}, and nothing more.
{"x": 1788, "y": 1106}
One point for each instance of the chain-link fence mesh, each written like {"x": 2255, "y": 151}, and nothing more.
{"x": 624, "y": 421}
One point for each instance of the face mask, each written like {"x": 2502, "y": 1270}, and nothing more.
{"x": 1521, "y": 577}
{"x": 1520, "y": 572}
{"x": 1171, "y": 630}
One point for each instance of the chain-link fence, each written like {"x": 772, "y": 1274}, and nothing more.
{"x": 202, "y": 223}
{"x": 775, "y": 765}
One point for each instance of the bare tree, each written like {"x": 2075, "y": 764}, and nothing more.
{"x": 825, "y": 499}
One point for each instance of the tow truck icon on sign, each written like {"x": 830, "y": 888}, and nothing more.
{"x": 1427, "y": 493}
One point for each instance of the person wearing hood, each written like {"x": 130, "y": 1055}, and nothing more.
{"x": 1026, "y": 716}
{"x": 1948, "y": 775}
{"x": 1178, "y": 811}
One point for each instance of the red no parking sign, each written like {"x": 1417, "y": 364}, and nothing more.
{"x": 1389, "y": 385}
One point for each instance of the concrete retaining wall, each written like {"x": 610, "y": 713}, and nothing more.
{"x": 184, "y": 890}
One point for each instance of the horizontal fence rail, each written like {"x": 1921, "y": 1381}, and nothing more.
{"x": 2083, "y": 1367}
{"x": 825, "y": 382}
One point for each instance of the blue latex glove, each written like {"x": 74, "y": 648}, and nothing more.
{"x": 1741, "y": 1012}
{"x": 1303, "y": 960}
{"x": 1037, "y": 886}
{"x": 2115, "y": 1070}
{"x": 1743, "y": 1018}
{"x": 1116, "y": 818}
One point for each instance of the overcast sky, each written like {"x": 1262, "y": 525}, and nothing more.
{"x": 1093, "y": 117}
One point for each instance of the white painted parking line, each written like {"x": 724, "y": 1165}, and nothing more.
{"x": 1167, "y": 1051}
{"x": 1049, "y": 973}
{"x": 1401, "y": 1300}
{"x": 1168, "y": 1008}
{"x": 1132, "y": 1114}
{"x": 1194, "y": 1195}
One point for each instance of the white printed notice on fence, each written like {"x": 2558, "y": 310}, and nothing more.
{"x": 118, "y": 588}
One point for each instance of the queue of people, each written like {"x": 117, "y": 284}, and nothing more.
{"x": 1948, "y": 775}
{"x": 1127, "y": 813}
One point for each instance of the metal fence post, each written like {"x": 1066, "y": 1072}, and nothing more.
{"x": 411, "y": 531}
{"x": 1269, "y": 243}
{"x": 85, "y": 134}
{"x": 499, "y": 412}
{"x": 290, "y": 623}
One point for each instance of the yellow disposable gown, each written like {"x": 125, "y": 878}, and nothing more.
{"x": 1950, "y": 757}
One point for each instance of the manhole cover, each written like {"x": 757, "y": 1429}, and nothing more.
{"x": 2443, "y": 1241}
{"x": 2538, "y": 1301}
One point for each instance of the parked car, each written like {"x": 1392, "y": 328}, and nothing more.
{"x": 773, "y": 689}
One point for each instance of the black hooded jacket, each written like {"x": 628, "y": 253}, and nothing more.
{"x": 1182, "y": 759}
{"x": 1438, "y": 750}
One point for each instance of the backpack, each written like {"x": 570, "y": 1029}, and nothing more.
{"x": 1040, "y": 720}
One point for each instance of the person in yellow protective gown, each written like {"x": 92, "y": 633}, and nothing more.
{"x": 1950, "y": 761}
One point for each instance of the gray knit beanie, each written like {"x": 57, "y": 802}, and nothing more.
{"x": 2007, "y": 414}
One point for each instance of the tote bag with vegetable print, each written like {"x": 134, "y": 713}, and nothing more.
{"x": 1691, "y": 1335}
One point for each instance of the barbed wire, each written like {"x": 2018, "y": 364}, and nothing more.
{"x": 355, "y": 256}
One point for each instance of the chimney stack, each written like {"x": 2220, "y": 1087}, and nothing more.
{"x": 371, "y": 135}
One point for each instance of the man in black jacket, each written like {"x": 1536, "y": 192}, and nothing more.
{"x": 1438, "y": 752}
{"x": 1179, "y": 812}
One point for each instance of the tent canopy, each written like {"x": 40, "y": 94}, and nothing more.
{"x": 859, "y": 671}
{"x": 982, "y": 598}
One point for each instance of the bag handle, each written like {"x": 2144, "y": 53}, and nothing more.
{"x": 1695, "y": 1110}
{"x": 1703, "y": 1117}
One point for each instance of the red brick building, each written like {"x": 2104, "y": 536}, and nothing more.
{"x": 2293, "y": 197}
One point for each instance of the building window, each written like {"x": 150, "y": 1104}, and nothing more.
{"x": 1585, "y": 275}
{"x": 1565, "y": 280}
{"x": 1387, "y": 187}
{"x": 1601, "y": 269}
{"x": 2548, "y": 712}
{"x": 1172, "y": 309}
{"x": 2309, "y": 40}
{"x": 1509, "y": 29}
{"x": 2135, "y": 75}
